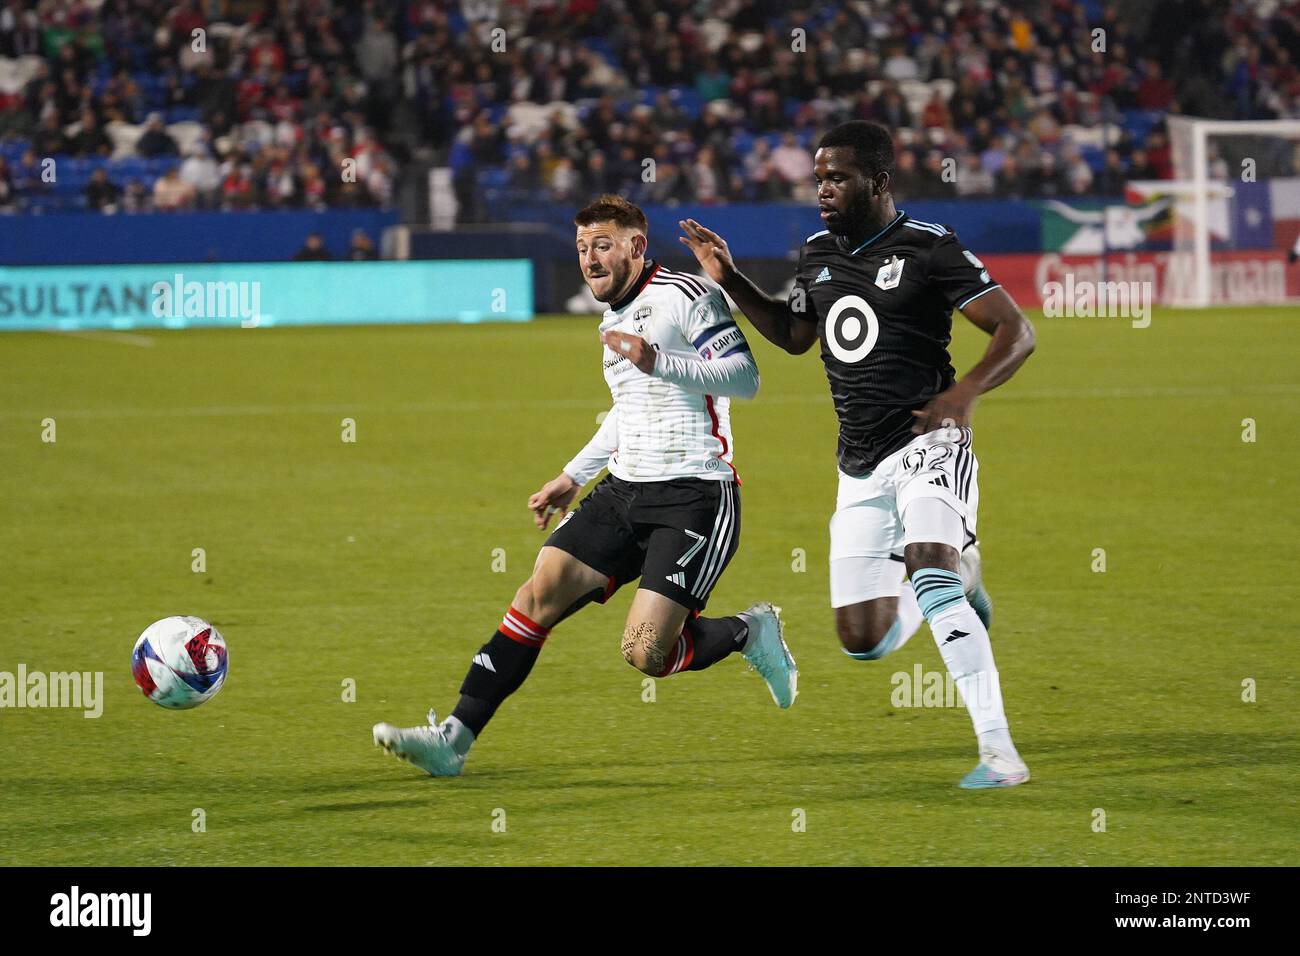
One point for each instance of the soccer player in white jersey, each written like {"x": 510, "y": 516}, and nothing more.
{"x": 668, "y": 512}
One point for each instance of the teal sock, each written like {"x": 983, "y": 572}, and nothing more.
{"x": 893, "y": 637}
{"x": 900, "y": 632}
{"x": 937, "y": 590}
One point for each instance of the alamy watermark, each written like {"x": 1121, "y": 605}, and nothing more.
{"x": 1086, "y": 298}
{"x": 75, "y": 908}
{"x": 77, "y": 690}
{"x": 179, "y": 299}
{"x": 922, "y": 688}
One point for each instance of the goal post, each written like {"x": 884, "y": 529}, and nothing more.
{"x": 1221, "y": 208}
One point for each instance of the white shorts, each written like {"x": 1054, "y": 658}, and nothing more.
{"x": 874, "y": 518}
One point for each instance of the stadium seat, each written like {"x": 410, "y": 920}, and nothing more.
{"x": 945, "y": 87}
{"x": 493, "y": 177}
{"x": 186, "y": 133}
{"x": 16, "y": 73}
{"x": 1094, "y": 156}
{"x": 132, "y": 166}
{"x": 124, "y": 137}
{"x": 916, "y": 94}
{"x": 181, "y": 114}
{"x": 600, "y": 45}
{"x": 687, "y": 98}
{"x": 1139, "y": 123}
{"x": 259, "y": 131}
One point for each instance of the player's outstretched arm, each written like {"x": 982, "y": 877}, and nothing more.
{"x": 769, "y": 314}
{"x": 1012, "y": 342}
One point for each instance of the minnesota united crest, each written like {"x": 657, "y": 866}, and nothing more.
{"x": 890, "y": 274}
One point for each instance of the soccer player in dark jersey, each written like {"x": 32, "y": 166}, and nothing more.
{"x": 877, "y": 289}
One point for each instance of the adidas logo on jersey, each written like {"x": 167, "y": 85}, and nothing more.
{"x": 823, "y": 275}
{"x": 678, "y": 579}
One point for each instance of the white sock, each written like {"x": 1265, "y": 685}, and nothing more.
{"x": 964, "y": 645}
{"x": 999, "y": 740}
{"x": 909, "y": 614}
{"x": 458, "y": 735}
{"x": 969, "y": 659}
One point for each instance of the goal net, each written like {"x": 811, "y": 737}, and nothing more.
{"x": 1236, "y": 197}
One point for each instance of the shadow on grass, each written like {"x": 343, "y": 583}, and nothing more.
{"x": 1139, "y": 766}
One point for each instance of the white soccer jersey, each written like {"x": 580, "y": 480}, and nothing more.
{"x": 674, "y": 422}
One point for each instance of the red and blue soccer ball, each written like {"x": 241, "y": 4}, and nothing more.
{"x": 180, "y": 662}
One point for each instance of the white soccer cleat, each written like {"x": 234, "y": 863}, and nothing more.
{"x": 996, "y": 769}
{"x": 768, "y": 654}
{"x": 426, "y": 747}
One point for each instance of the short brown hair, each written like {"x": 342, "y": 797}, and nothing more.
{"x": 615, "y": 209}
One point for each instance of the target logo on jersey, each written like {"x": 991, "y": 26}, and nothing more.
{"x": 851, "y": 329}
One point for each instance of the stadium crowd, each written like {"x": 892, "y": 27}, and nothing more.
{"x": 313, "y": 103}
{"x": 161, "y": 106}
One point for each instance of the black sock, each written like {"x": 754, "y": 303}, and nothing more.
{"x": 499, "y": 669}
{"x": 714, "y": 639}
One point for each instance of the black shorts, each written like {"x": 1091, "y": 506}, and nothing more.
{"x": 676, "y": 536}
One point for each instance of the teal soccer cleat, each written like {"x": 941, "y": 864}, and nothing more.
{"x": 426, "y": 747}
{"x": 995, "y": 770}
{"x": 768, "y": 654}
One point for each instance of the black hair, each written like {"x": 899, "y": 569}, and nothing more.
{"x": 872, "y": 145}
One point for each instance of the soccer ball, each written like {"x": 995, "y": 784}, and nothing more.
{"x": 179, "y": 662}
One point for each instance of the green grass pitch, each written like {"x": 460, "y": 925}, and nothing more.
{"x": 372, "y": 561}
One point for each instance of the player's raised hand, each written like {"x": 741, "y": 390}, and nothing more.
{"x": 555, "y": 496}
{"x": 709, "y": 248}
{"x": 948, "y": 409}
{"x": 638, "y": 351}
